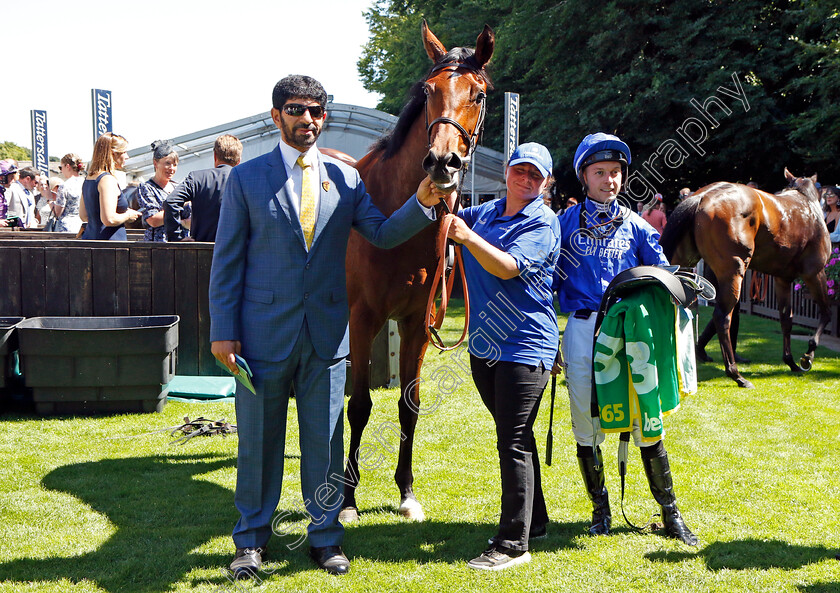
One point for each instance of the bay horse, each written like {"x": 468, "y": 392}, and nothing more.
{"x": 435, "y": 134}
{"x": 734, "y": 227}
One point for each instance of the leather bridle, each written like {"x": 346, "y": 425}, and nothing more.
{"x": 471, "y": 139}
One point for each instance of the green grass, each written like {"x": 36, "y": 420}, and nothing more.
{"x": 756, "y": 475}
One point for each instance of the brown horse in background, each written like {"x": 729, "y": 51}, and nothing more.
{"x": 734, "y": 227}
{"x": 436, "y": 133}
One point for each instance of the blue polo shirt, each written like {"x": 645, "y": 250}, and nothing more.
{"x": 514, "y": 320}
{"x": 588, "y": 261}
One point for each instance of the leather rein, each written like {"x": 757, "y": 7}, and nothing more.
{"x": 450, "y": 252}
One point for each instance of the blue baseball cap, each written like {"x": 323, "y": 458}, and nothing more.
{"x": 533, "y": 153}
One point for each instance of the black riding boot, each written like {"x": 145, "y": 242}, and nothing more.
{"x": 658, "y": 472}
{"x": 592, "y": 470}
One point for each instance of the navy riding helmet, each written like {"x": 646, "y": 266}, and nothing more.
{"x": 599, "y": 147}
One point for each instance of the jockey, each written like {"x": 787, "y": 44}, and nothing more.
{"x": 600, "y": 238}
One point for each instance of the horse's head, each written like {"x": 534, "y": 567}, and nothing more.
{"x": 456, "y": 92}
{"x": 807, "y": 186}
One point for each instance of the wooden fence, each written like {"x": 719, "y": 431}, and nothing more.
{"x": 49, "y": 275}
{"x": 759, "y": 298}
{"x": 56, "y": 275}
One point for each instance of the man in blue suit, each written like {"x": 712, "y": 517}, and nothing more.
{"x": 278, "y": 298}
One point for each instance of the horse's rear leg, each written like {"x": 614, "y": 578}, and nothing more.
{"x": 364, "y": 325}
{"x": 727, "y": 300}
{"x": 706, "y": 335}
{"x": 413, "y": 345}
{"x": 819, "y": 292}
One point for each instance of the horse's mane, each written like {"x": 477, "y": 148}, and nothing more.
{"x": 391, "y": 143}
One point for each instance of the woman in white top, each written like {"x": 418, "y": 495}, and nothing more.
{"x": 66, "y": 207}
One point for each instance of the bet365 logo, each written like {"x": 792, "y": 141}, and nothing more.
{"x": 652, "y": 424}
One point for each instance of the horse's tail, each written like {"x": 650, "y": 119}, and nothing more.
{"x": 677, "y": 239}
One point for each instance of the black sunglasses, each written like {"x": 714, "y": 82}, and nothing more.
{"x": 296, "y": 110}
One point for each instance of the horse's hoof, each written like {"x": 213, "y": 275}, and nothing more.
{"x": 741, "y": 359}
{"x": 348, "y": 515}
{"x": 744, "y": 383}
{"x": 411, "y": 509}
{"x": 805, "y": 363}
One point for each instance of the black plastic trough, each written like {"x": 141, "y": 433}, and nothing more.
{"x": 89, "y": 365}
{"x": 8, "y": 344}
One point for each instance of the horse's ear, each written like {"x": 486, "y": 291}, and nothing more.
{"x": 484, "y": 46}
{"x": 788, "y": 175}
{"x": 814, "y": 177}
{"x": 434, "y": 48}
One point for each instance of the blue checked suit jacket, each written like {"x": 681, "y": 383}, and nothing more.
{"x": 263, "y": 281}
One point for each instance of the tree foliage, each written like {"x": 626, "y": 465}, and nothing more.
{"x": 644, "y": 71}
{"x": 10, "y": 150}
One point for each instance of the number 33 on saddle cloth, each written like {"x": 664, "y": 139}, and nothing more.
{"x": 643, "y": 361}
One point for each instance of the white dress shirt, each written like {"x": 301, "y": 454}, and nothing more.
{"x": 295, "y": 173}
{"x": 295, "y": 176}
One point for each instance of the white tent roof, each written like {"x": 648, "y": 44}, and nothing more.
{"x": 349, "y": 128}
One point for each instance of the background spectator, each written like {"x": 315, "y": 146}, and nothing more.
{"x": 20, "y": 197}
{"x": 832, "y": 211}
{"x": 153, "y": 192}
{"x": 102, "y": 206}
{"x": 66, "y": 207}
{"x": 654, "y": 214}
{"x": 8, "y": 172}
{"x": 203, "y": 190}
{"x": 47, "y": 190}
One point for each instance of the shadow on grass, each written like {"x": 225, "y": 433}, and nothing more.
{"x": 711, "y": 371}
{"x": 406, "y": 542}
{"x": 436, "y": 542}
{"x": 160, "y": 511}
{"x": 409, "y": 543}
{"x": 750, "y": 554}
{"x": 760, "y": 356}
{"x": 821, "y": 588}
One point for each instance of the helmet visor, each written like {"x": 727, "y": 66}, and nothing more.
{"x": 604, "y": 155}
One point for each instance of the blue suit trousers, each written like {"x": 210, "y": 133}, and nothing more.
{"x": 261, "y": 422}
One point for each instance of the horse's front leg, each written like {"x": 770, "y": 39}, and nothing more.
{"x": 364, "y": 325}
{"x": 785, "y": 320}
{"x": 413, "y": 345}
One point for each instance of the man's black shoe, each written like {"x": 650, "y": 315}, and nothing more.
{"x": 247, "y": 562}
{"x": 331, "y": 559}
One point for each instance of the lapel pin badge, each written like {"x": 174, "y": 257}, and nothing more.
{"x": 326, "y": 186}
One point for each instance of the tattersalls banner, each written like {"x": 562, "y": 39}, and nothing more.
{"x": 40, "y": 154}
{"x": 102, "y": 117}
{"x": 511, "y": 124}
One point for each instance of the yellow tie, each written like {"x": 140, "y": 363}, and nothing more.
{"x": 307, "y": 202}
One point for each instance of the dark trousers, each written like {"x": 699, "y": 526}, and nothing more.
{"x": 512, "y": 392}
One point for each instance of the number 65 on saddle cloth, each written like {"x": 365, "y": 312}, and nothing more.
{"x": 643, "y": 360}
